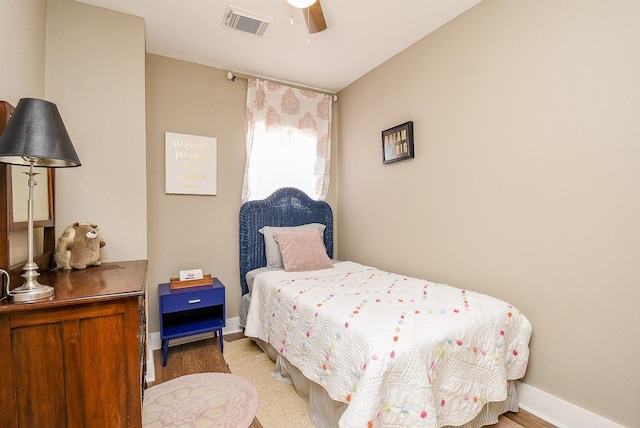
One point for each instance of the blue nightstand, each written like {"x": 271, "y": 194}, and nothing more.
{"x": 189, "y": 311}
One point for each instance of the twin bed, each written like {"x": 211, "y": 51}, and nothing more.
{"x": 369, "y": 348}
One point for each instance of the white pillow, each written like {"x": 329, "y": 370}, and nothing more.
{"x": 271, "y": 248}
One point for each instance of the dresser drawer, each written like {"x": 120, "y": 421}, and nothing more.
{"x": 186, "y": 300}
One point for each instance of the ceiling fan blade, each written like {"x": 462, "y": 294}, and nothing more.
{"x": 315, "y": 18}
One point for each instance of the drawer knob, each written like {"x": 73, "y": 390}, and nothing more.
{"x": 194, "y": 301}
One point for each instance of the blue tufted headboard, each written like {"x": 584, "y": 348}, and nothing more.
{"x": 284, "y": 207}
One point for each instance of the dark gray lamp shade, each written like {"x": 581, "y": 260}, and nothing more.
{"x": 36, "y": 131}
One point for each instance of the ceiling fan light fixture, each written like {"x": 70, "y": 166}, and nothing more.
{"x": 301, "y": 4}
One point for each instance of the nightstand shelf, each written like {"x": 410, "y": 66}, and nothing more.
{"x": 189, "y": 311}
{"x": 191, "y": 322}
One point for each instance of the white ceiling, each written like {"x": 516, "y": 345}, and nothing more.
{"x": 361, "y": 35}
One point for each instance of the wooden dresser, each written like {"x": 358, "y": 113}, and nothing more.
{"x": 77, "y": 359}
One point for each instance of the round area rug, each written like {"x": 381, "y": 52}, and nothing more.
{"x": 200, "y": 400}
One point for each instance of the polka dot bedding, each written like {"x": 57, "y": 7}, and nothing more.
{"x": 400, "y": 351}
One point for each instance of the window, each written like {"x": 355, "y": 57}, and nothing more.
{"x": 288, "y": 140}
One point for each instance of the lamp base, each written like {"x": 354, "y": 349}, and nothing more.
{"x": 19, "y": 294}
{"x": 31, "y": 289}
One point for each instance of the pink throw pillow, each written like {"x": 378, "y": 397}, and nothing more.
{"x": 303, "y": 250}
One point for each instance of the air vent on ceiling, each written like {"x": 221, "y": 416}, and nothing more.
{"x": 244, "y": 20}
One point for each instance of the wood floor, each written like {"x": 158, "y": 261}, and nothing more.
{"x": 205, "y": 356}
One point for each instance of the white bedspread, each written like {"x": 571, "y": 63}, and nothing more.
{"x": 402, "y": 352}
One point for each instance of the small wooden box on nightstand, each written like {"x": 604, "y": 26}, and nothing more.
{"x": 189, "y": 311}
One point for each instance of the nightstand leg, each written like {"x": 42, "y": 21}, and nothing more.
{"x": 221, "y": 342}
{"x": 165, "y": 351}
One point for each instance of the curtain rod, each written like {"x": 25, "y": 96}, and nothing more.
{"x": 232, "y": 75}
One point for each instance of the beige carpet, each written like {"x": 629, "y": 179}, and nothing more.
{"x": 280, "y": 406}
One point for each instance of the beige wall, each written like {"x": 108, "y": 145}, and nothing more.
{"x": 94, "y": 63}
{"x": 23, "y": 39}
{"x": 525, "y": 181}
{"x": 194, "y": 231}
{"x": 95, "y": 74}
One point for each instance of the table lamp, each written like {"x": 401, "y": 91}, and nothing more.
{"x": 35, "y": 136}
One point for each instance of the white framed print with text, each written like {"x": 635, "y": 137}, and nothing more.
{"x": 190, "y": 164}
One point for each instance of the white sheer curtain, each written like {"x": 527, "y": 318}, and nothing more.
{"x": 288, "y": 140}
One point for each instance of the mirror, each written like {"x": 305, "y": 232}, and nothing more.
{"x": 19, "y": 197}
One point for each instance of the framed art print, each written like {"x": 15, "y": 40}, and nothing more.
{"x": 190, "y": 164}
{"x": 397, "y": 143}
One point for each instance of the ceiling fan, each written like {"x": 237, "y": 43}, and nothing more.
{"x": 312, "y": 12}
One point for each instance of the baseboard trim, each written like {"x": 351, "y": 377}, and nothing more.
{"x": 557, "y": 411}
{"x": 155, "y": 342}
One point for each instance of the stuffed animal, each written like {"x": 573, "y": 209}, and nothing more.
{"x": 79, "y": 247}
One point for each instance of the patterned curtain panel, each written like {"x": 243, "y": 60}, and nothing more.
{"x": 288, "y": 140}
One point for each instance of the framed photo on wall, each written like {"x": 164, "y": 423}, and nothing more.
{"x": 397, "y": 143}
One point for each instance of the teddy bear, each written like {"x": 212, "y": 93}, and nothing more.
{"x": 79, "y": 247}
